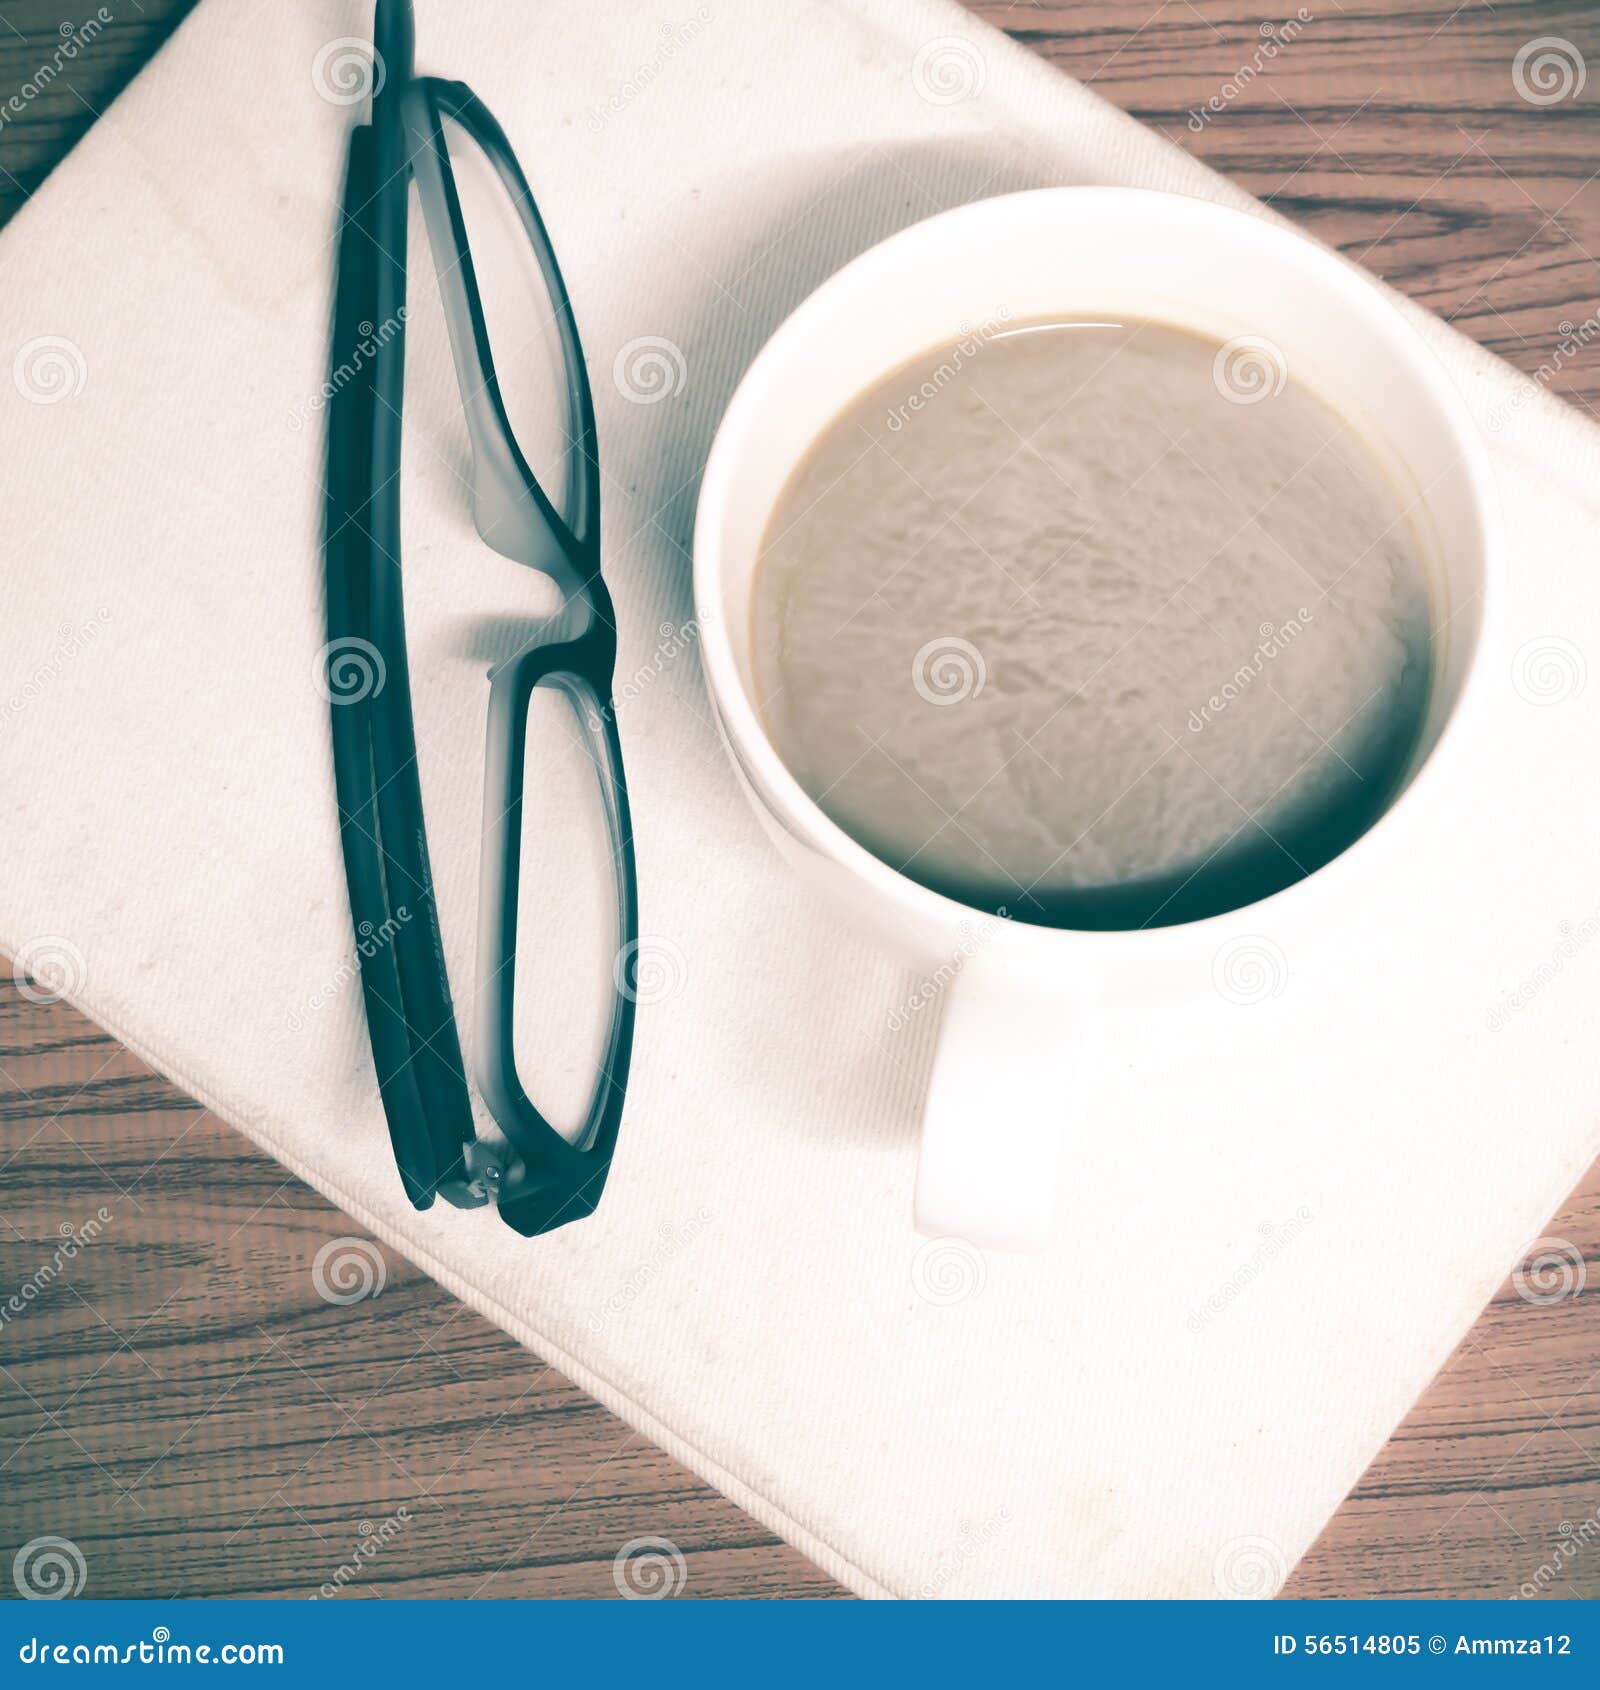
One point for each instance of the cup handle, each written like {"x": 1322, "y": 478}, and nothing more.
{"x": 996, "y": 1109}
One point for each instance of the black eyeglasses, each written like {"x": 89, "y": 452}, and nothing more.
{"x": 539, "y": 1178}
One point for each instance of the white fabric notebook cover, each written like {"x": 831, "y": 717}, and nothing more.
{"x": 1281, "y": 1217}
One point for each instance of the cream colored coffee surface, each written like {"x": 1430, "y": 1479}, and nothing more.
{"x": 1073, "y": 606}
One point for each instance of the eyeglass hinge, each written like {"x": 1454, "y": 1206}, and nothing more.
{"x": 489, "y": 1167}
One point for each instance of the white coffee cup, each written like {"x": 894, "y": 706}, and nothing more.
{"x": 1017, "y": 1001}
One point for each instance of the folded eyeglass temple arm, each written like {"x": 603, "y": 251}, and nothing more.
{"x": 348, "y": 562}
{"x": 416, "y": 1052}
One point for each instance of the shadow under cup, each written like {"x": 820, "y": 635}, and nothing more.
{"x": 1080, "y": 253}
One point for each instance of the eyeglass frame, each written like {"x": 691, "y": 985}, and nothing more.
{"x": 540, "y": 1180}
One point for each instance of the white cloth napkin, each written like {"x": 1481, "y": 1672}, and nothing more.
{"x": 1282, "y": 1214}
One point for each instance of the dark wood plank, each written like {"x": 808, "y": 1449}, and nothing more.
{"x": 60, "y": 67}
{"x": 176, "y": 1397}
{"x": 180, "y": 1400}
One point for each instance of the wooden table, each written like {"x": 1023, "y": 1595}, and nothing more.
{"x": 181, "y": 1403}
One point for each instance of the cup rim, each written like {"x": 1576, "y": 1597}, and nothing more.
{"x": 800, "y": 813}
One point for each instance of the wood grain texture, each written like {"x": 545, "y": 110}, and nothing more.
{"x": 178, "y": 1399}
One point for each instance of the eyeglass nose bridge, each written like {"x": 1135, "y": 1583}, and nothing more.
{"x": 512, "y": 513}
